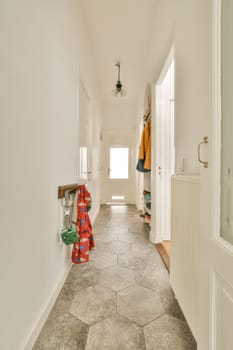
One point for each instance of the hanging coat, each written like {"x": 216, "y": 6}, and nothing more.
{"x": 81, "y": 249}
{"x": 145, "y": 146}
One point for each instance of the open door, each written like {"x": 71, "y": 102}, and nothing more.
{"x": 216, "y": 258}
{"x": 85, "y": 138}
{"x": 163, "y": 151}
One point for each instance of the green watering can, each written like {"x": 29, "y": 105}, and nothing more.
{"x": 69, "y": 235}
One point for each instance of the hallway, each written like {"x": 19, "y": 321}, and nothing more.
{"x": 121, "y": 299}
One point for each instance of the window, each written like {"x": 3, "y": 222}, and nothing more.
{"x": 119, "y": 163}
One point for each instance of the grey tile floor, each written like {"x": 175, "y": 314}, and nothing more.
{"x": 121, "y": 299}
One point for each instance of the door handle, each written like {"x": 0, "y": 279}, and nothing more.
{"x": 205, "y": 163}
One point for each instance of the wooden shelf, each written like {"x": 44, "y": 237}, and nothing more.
{"x": 62, "y": 189}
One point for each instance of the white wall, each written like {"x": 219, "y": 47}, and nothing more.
{"x": 177, "y": 22}
{"x": 162, "y": 38}
{"x": 192, "y": 78}
{"x": 40, "y": 52}
{"x": 119, "y": 116}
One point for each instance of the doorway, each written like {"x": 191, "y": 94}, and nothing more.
{"x": 164, "y": 154}
{"x": 118, "y": 163}
{"x": 118, "y": 174}
{"x": 117, "y": 186}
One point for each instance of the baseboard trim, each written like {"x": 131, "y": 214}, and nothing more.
{"x": 164, "y": 255}
{"x": 37, "y": 328}
{"x": 94, "y": 216}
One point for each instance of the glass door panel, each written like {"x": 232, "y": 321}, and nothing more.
{"x": 119, "y": 163}
{"x": 226, "y": 229}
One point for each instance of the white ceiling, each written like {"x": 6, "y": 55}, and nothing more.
{"x": 120, "y": 30}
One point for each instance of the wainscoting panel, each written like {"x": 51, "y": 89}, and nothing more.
{"x": 184, "y": 245}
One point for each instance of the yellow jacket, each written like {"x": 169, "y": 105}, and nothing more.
{"x": 145, "y": 146}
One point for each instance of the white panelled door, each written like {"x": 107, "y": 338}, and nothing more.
{"x": 85, "y": 138}
{"x": 216, "y": 258}
{"x": 118, "y": 167}
{"x": 163, "y": 151}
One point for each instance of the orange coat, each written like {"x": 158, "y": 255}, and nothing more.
{"x": 145, "y": 146}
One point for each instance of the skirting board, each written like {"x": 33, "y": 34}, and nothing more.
{"x": 94, "y": 215}
{"x": 164, "y": 255}
{"x": 37, "y": 329}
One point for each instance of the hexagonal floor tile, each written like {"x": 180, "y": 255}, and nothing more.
{"x": 139, "y": 304}
{"x": 139, "y": 228}
{"x": 117, "y": 277}
{"x": 63, "y": 302}
{"x": 106, "y": 237}
{"x": 154, "y": 258}
{"x": 82, "y": 276}
{"x": 99, "y": 220}
{"x": 118, "y": 247}
{"x": 127, "y": 237}
{"x": 143, "y": 245}
{"x": 118, "y": 229}
{"x": 132, "y": 260}
{"x": 102, "y": 259}
{"x": 93, "y": 304}
{"x": 115, "y": 333}
{"x": 64, "y": 332}
{"x": 168, "y": 333}
{"x": 100, "y": 229}
{"x": 169, "y": 302}
{"x": 100, "y": 246}
{"x": 152, "y": 276}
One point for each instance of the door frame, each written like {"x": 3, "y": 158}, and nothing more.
{"x": 155, "y": 233}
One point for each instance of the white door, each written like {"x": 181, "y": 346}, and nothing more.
{"x": 118, "y": 177}
{"x": 85, "y": 138}
{"x": 216, "y": 258}
{"x": 163, "y": 151}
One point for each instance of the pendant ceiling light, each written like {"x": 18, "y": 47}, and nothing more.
{"x": 119, "y": 91}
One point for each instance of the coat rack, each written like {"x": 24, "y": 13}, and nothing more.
{"x": 62, "y": 189}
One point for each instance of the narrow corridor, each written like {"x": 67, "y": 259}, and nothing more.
{"x": 121, "y": 299}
